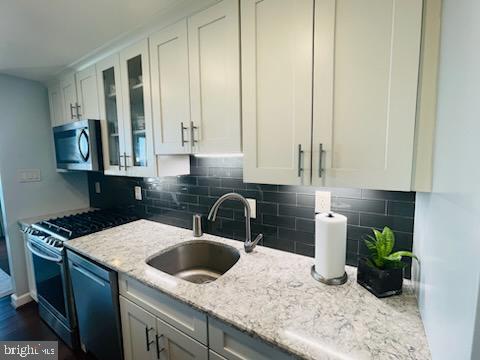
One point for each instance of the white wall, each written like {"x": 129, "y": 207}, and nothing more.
{"x": 26, "y": 143}
{"x": 447, "y": 221}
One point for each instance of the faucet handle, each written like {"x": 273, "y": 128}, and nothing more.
{"x": 249, "y": 246}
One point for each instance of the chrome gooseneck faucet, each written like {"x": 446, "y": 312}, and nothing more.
{"x": 212, "y": 215}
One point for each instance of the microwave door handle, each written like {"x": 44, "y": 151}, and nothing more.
{"x": 41, "y": 255}
{"x": 83, "y": 133}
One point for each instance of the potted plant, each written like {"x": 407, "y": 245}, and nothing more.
{"x": 382, "y": 272}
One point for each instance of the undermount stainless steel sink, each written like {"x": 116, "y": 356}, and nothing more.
{"x": 199, "y": 262}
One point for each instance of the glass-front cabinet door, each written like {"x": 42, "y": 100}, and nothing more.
{"x": 135, "y": 77}
{"x": 111, "y": 115}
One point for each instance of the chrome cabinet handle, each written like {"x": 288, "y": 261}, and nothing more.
{"x": 159, "y": 350}
{"x": 77, "y": 107}
{"x": 147, "y": 338}
{"x": 300, "y": 156}
{"x": 320, "y": 164}
{"x": 72, "y": 116}
{"x": 192, "y": 133}
{"x": 125, "y": 156}
{"x": 182, "y": 129}
{"x": 120, "y": 162}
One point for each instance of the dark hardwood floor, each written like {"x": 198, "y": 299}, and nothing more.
{"x": 24, "y": 324}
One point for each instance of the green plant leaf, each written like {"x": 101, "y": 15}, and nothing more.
{"x": 378, "y": 234}
{"x": 370, "y": 245}
{"x": 389, "y": 237}
{"x": 397, "y": 256}
{"x": 381, "y": 243}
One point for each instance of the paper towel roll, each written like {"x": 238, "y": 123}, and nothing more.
{"x": 330, "y": 244}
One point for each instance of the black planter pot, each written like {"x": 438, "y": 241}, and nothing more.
{"x": 381, "y": 283}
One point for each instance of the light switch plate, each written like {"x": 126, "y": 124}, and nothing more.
{"x": 29, "y": 175}
{"x": 98, "y": 189}
{"x": 253, "y": 208}
{"x": 323, "y": 201}
{"x": 138, "y": 193}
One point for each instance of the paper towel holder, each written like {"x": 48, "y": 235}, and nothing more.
{"x": 334, "y": 281}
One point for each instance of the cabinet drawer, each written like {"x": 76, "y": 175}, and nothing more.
{"x": 181, "y": 316}
{"x": 232, "y": 344}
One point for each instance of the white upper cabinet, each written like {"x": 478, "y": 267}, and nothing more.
{"x": 77, "y": 96}
{"x": 68, "y": 90}
{"x": 138, "y": 157}
{"x": 277, "y": 57}
{"x": 56, "y": 104}
{"x": 365, "y": 92}
{"x": 87, "y": 94}
{"x": 111, "y": 115}
{"x": 214, "y": 58}
{"x": 170, "y": 89}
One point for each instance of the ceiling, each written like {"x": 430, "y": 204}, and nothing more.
{"x": 39, "y": 38}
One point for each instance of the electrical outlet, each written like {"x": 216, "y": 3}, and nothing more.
{"x": 98, "y": 189}
{"x": 29, "y": 175}
{"x": 323, "y": 201}
{"x": 138, "y": 193}
{"x": 253, "y": 208}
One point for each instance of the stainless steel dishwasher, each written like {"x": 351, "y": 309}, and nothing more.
{"x": 95, "y": 292}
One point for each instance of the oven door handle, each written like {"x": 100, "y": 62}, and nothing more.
{"x": 42, "y": 255}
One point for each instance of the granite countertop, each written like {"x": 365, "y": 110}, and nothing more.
{"x": 271, "y": 295}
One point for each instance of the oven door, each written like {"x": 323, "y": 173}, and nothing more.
{"x": 76, "y": 145}
{"x": 51, "y": 278}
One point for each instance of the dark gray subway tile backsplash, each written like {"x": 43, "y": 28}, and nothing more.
{"x": 285, "y": 214}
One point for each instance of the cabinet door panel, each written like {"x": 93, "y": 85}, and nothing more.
{"x": 56, "y": 105}
{"x": 111, "y": 115}
{"x": 136, "y": 322}
{"x": 69, "y": 97}
{"x": 87, "y": 93}
{"x": 232, "y": 344}
{"x": 175, "y": 345}
{"x": 277, "y": 37}
{"x": 366, "y": 72}
{"x": 170, "y": 89}
{"x": 215, "y": 78}
{"x": 137, "y": 110}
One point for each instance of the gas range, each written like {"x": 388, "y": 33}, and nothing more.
{"x": 53, "y": 232}
{"x": 45, "y": 241}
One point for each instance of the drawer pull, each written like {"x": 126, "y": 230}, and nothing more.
{"x": 147, "y": 338}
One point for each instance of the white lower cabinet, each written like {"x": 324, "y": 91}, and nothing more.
{"x": 147, "y": 337}
{"x": 232, "y": 344}
{"x": 212, "y": 355}
{"x": 156, "y": 326}
{"x": 138, "y": 328}
{"x": 175, "y": 345}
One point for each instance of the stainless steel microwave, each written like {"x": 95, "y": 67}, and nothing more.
{"x": 78, "y": 146}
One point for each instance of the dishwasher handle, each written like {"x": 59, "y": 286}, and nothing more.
{"x": 89, "y": 268}
{"x": 88, "y": 274}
